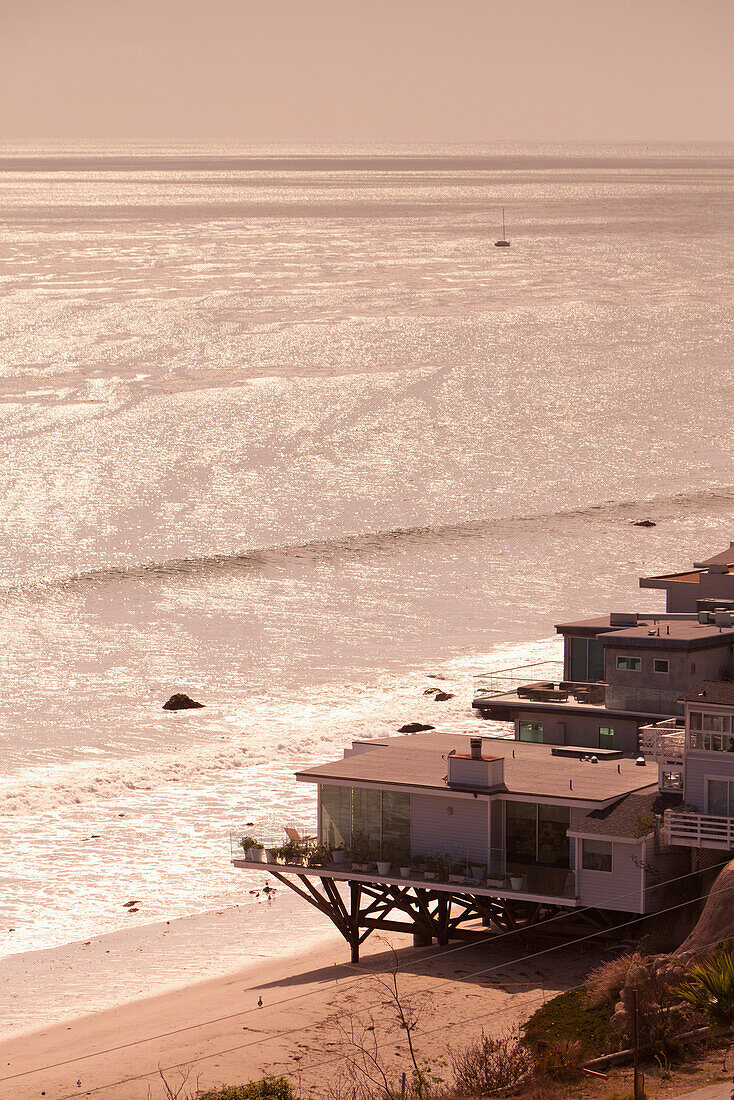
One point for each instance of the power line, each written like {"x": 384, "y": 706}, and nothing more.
{"x": 356, "y": 979}
{"x": 443, "y": 1027}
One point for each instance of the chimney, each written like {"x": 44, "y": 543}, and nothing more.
{"x": 476, "y": 748}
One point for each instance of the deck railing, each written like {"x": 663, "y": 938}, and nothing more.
{"x": 496, "y": 872}
{"x": 694, "y": 830}
{"x": 494, "y": 685}
{"x": 663, "y": 742}
{"x": 504, "y": 681}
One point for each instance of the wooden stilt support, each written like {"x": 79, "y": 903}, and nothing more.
{"x": 355, "y": 891}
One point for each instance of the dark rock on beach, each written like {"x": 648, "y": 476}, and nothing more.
{"x": 644, "y": 523}
{"x": 182, "y": 702}
{"x": 415, "y": 727}
{"x": 443, "y": 696}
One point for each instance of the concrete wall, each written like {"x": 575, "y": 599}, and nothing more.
{"x": 581, "y": 729}
{"x": 602, "y": 890}
{"x": 433, "y": 829}
{"x": 655, "y": 692}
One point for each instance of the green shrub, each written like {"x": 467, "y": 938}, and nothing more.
{"x": 569, "y": 1015}
{"x": 275, "y": 1089}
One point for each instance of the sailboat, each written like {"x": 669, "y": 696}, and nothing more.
{"x": 503, "y": 243}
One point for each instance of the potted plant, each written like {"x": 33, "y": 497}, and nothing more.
{"x": 319, "y": 856}
{"x": 339, "y": 854}
{"x": 430, "y": 868}
{"x": 477, "y": 872}
{"x": 517, "y": 882}
{"x": 361, "y": 852}
{"x": 247, "y": 843}
{"x": 457, "y": 871}
{"x": 257, "y": 853}
{"x": 406, "y": 871}
{"x": 293, "y": 853}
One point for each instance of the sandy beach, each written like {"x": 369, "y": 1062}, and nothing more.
{"x": 217, "y": 1034}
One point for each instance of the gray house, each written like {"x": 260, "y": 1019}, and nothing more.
{"x": 698, "y": 757}
{"x": 619, "y": 672}
{"x": 506, "y": 832}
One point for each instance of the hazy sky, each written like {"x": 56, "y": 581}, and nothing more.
{"x": 367, "y": 70}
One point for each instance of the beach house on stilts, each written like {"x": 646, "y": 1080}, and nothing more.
{"x": 616, "y": 782}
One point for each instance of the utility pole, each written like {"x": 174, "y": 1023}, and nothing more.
{"x": 635, "y": 1047}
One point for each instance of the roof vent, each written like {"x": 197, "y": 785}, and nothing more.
{"x": 640, "y": 762}
{"x": 475, "y": 744}
{"x": 594, "y": 759}
{"x": 722, "y": 618}
{"x": 623, "y": 618}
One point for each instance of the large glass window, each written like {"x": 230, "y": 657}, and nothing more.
{"x": 629, "y": 664}
{"x": 366, "y": 813}
{"x": 721, "y": 797}
{"x": 586, "y": 665}
{"x": 553, "y": 845}
{"x": 521, "y": 831}
{"x": 336, "y": 814}
{"x": 380, "y": 820}
{"x": 396, "y": 825}
{"x": 711, "y": 742}
{"x": 596, "y": 855}
{"x": 606, "y": 737}
{"x": 536, "y": 834}
{"x": 659, "y": 665}
{"x": 531, "y": 731}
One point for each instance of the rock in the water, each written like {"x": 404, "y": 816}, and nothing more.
{"x": 182, "y": 702}
{"x": 443, "y": 696}
{"x": 644, "y": 523}
{"x": 415, "y": 727}
{"x": 430, "y": 691}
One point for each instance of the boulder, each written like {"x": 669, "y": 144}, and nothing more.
{"x": 415, "y": 727}
{"x": 443, "y": 696}
{"x": 716, "y": 922}
{"x": 182, "y": 702}
{"x": 644, "y": 523}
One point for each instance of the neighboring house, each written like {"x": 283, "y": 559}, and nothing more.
{"x": 509, "y": 832}
{"x": 620, "y": 670}
{"x": 709, "y": 583}
{"x": 699, "y": 757}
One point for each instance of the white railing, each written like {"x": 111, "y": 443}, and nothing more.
{"x": 694, "y": 830}
{"x": 663, "y": 742}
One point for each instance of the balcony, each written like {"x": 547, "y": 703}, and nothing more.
{"x": 664, "y": 743}
{"x": 694, "y": 830}
{"x": 536, "y": 683}
{"x": 495, "y": 877}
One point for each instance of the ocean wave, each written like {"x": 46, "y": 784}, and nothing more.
{"x": 378, "y": 541}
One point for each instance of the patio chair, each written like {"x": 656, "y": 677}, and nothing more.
{"x": 296, "y": 837}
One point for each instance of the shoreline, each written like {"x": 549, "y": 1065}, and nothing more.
{"x": 217, "y": 1028}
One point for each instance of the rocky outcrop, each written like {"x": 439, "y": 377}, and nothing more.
{"x": 443, "y": 696}
{"x": 716, "y": 922}
{"x": 415, "y": 727}
{"x": 182, "y": 702}
{"x": 644, "y": 523}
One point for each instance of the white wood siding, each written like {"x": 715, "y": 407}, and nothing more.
{"x": 464, "y": 830}
{"x": 602, "y": 890}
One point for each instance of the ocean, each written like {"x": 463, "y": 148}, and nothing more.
{"x": 286, "y": 432}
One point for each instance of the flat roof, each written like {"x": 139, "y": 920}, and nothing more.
{"x": 716, "y": 692}
{"x": 672, "y": 634}
{"x": 624, "y": 819}
{"x": 419, "y": 761}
